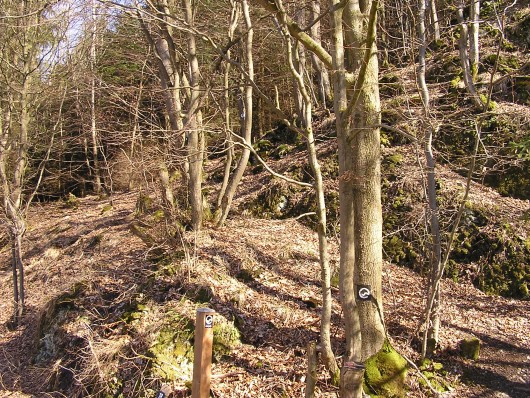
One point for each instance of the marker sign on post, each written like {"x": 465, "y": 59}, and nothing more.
{"x": 208, "y": 321}
{"x": 202, "y": 363}
{"x": 364, "y": 292}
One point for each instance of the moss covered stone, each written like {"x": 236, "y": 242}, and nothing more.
{"x": 226, "y": 338}
{"x": 172, "y": 350}
{"x": 386, "y": 372}
{"x": 470, "y": 348}
{"x": 71, "y": 201}
{"x": 273, "y": 202}
{"x": 436, "y": 374}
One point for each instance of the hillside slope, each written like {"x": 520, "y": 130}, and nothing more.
{"x": 88, "y": 275}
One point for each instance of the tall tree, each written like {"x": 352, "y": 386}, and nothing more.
{"x": 235, "y": 14}
{"x": 430, "y": 338}
{"x": 354, "y": 66}
{"x": 297, "y": 66}
{"x": 26, "y": 31}
{"x": 246, "y": 118}
{"x": 94, "y": 139}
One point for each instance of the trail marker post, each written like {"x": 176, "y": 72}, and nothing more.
{"x": 202, "y": 363}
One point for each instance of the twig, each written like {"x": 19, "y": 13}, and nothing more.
{"x": 224, "y": 376}
{"x": 245, "y": 144}
{"x": 433, "y": 390}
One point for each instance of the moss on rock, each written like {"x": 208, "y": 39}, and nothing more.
{"x": 226, "y": 338}
{"x": 172, "y": 350}
{"x": 470, "y": 348}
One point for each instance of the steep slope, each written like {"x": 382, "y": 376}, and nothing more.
{"x": 95, "y": 300}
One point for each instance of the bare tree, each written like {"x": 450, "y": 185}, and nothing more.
{"x": 235, "y": 14}
{"x": 430, "y": 338}
{"x": 465, "y": 56}
{"x": 193, "y": 123}
{"x": 246, "y": 118}
{"x": 21, "y": 56}
{"x": 297, "y": 67}
{"x": 354, "y": 67}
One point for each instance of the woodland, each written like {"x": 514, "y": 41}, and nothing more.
{"x": 345, "y": 182}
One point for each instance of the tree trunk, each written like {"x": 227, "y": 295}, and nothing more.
{"x": 347, "y": 221}
{"x": 322, "y": 75}
{"x": 464, "y": 58}
{"x": 435, "y": 23}
{"x": 298, "y": 71}
{"x": 432, "y": 321}
{"x": 352, "y": 326}
{"x": 193, "y": 127}
{"x": 170, "y": 82}
{"x": 93, "y": 127}
{"x": 474, "y": 39}
{"x": 362, "y": 143}
{"x": 19, "y": 265}
{"x": 229, "y": 144}
{"x": 246, "y": 121}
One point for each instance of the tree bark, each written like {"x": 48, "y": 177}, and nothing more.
{"x": 195, "y": 155}
{"x": 352, "y": 326}
{"x": 464, "y": 58}
{"x": 323, "y": 83}
{"x": 474, "y": 38}
{"x": 362, "y": 143}
{"x": 246, "y": 121}
{"x": 93, "y": 127}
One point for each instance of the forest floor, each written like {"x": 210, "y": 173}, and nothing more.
{"x": 277, "y": 309}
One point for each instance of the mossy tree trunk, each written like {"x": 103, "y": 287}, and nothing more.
{"x": 357, "y": 113}
{"x": 356, "y": 105}
{"x": 362, "y": 145}
{"x": 347, "y": 246}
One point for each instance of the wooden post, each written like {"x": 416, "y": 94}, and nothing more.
{"x": 311, "y": 378}
{"x": 202, "y": 364}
